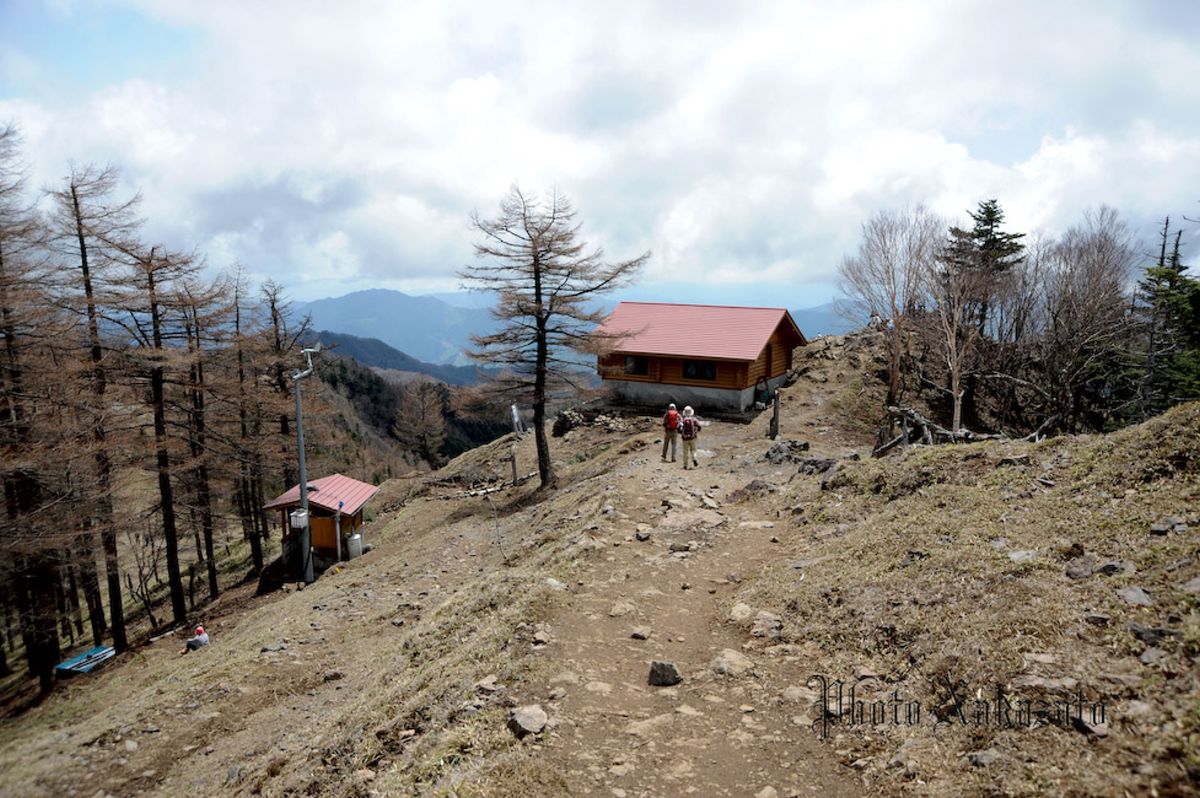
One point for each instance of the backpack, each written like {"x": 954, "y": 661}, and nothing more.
{"x": 689, "y": 426}
{"x": 671, "y": 421}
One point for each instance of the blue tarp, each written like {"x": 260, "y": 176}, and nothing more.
{"x": 85, "y": 662}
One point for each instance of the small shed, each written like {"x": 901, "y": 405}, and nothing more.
{"x": 710, "y": 356}
{"x": 334, "y": 502}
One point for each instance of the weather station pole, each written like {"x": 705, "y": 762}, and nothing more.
{"x": 306, "y": 530}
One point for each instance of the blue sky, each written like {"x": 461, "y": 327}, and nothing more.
{"x": 335, "y": 147}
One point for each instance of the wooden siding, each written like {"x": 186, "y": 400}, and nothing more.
{"x": 780, "y": 348}
{"x": 669, "y": 370}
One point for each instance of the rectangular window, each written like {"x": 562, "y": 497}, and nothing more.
{"x": 700, "y": 370}
{"x": 636, "y": 365}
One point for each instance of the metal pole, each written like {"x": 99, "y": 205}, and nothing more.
{"x": 338, "y": 531}
{"x": 306, "y": 532}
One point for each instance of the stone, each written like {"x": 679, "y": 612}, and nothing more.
{"x": 642, "y": 534}
{"x": 786, "y": 451}
{"x": 741, "y": 612}
{"x": 278, "y": 645}
{"x": 1081, "y": 567}
{"x": 1191, "y": 586}
{"x": 731, "y": 663}
{"x": 1151, "y": 636}
{"x": 1169, "y": 524}
{"x": 767, "y": 624}
{"x": 767, "y": 792}
{"x": 554, "y": 584}
{"x": 621, "y": 608}
{"x": 541, "y": 638}
{"x": 333, "y": 676}
{"x": 488, "y": 684}
{"x": 799, "y": 694}
{"x": 1063, "y": 686}
{"x": 526, "y": 720}
{"x": 1014, "y": 460}
{"x": 643, "y": 728}
{"x": 983, "y": 758}
{"x": 680, "y": 546}
{"x": 1022, "y": 555}
{"x": 1114, "y": 567}
{"x": 664, "y": 674}
{"x": 1096, "y": 618}
{"x": 233, "y": 775}
{"x": 709, "y": 503}
{"x": 640, "y": 633}
{"x": 1088, "y": 728}
{"x": 1135, "y": 596}
{"x": 556, "y": 694}
{"x": 1152, "y": 655}
{"x": 131, "y": 745}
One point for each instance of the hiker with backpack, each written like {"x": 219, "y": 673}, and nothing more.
{"x": 670, "y": 432}
{"x": 689, "y": 430}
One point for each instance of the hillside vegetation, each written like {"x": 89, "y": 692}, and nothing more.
{"x": 992, "y": 565}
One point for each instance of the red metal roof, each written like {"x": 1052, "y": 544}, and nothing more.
{"x": 326, "y": 492}
{"x": 717, "y": 332}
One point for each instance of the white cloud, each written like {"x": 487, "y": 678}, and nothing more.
{"x": 333, "y": 142}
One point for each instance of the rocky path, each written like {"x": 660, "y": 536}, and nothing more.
{"x": 740, "y": 721}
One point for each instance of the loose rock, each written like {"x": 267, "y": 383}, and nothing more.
{"x": 767, "y": 624}
{"x": 1135, "y": 596}
{"x": 731, "y": 663}
{"x": 620, "y": 608}
{"x": 664, "y": 674}
{"x": 741, "y": 612}
{"x": 526, "y": 720}
{"x": 983, "y": 758}
{"x": 1081, "y": 567}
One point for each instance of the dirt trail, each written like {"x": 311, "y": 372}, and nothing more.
{"x": 711, "y": 734}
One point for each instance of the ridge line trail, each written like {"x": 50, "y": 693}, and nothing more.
{"x": 710, "y": 735}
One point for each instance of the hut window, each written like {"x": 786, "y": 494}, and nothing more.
{"x": 699, "y": 370}
{"x": 637, "y": 365}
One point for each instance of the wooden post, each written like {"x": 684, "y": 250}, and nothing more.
{"x": 773, "y": 433}
{"x": 512, "y": 458}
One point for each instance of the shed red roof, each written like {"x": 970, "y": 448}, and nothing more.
{"x": 720, "y": 332}
{"x": 326, "y": 492}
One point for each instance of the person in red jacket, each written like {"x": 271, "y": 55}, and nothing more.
{"x": 670, "y": 432}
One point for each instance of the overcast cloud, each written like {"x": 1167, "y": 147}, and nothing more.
{"x": 337, "y": 146}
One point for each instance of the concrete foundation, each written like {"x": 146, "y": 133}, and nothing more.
{"x": 699, "y": 397}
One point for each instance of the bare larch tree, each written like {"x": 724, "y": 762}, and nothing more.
{"x": 544, "y": 277}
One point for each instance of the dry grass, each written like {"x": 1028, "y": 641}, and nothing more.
{"x": 918, "y": 585}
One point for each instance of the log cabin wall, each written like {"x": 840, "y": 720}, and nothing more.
{"x": 669, "y": 370}
{"x": 779, "y": 349}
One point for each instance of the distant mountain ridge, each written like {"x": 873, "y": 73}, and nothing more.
{"x": 436, "y": 329}
{"x": 424, "y": 327}
{"x": 822, "y": 320}
{"x": 373, "y": 352}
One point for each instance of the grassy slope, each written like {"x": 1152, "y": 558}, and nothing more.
{"x": 401, "y": 716}
{"x": 915, "y": 582}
